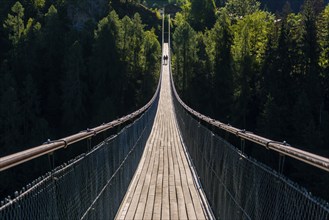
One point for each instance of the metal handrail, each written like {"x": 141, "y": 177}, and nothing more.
{"x": 280, "y": 147}
{"x": 51, "y": 146}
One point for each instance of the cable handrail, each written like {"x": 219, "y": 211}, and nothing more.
{"x": 280, "y": 147}
{"x": 15, "y": 159}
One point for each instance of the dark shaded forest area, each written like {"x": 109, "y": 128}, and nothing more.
{"x": 68, "y": 65}
{"x": 258, "y": 71}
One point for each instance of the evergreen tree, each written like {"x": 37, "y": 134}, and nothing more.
{"x": 311, "y": 56}
{"x": 202, "y": 14}
{"x": 202, "y": 94}
{"x": 151, "y": 58}
{"x": 277, "y": 68}
{"x": 14, "y": 23}
{"x": 251, "y": 35}
{"x": 323, "y": 39}
{"x": 107, "y": 78}
{"x": 184, "y": 45}
{"x": 223, "y": 73}
{"x": 241, "y": 8}
{"x": 51, "y": 59}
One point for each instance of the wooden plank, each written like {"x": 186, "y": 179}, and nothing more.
{"x": 165, "y": 214}
{"x": 159, "y": 182}
{"x": 143, "y": 198}
{"x": 199, "y": 210}
{"x": 148, "y": 213}
{"x": 172, "y": 188}
{"x": 186, "y": 193}
{"x": 130, "y": 193}
{"x": 163, "y": 186}
{"x": 138, "y": 189}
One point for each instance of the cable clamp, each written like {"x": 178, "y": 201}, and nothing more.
{"x": 268, "y": 143}
{"x": 91, "y": 130}
{"x": 57, "y": 141}
{"x": 240, "y": 131}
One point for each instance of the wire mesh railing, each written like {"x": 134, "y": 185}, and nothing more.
{"x": 89, "y": 187}
{"x": 237, "y": 186}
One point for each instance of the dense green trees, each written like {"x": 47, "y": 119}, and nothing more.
{"x": 219, "y": 41}
{"x": 63, "y": 70}
{"x": 58, "y": 77}
{"x": 262, "y": 72}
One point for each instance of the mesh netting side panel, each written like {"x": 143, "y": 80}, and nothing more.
{"x": 238, "y": 187}
{"x": 91, "y": 186}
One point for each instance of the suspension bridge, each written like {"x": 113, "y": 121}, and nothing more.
{"x": 165, "y": 164}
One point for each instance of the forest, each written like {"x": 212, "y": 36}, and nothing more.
{"x": 66, "y": 65}
{"x": 260, "y": 71}
{"x": 64, "y": 68}
{"x": 257, "y": 71}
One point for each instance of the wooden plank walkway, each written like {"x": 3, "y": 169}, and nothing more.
{"x": 163, "y": 186}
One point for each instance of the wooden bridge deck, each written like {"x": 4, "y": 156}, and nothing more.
{"x": 163, "y": 186}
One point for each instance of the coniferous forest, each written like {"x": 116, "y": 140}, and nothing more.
{"x": 259, "y": 70}
{"x": 66, "y": 65}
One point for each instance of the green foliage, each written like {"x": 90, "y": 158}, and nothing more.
{"x": 323, "y": 36}
{"x": 240, "y": 8}
{"x": 202, "y": 14}
{"x": 107, "y": 77}
{"x": 218, "y": 48}
{"x": 151, "y": 51}
{"x": 184, "y": 45}
{"x": 39, "y": 4}
{"x": 251, "y": 35}
{"x": 262, "y": 72}
{"x": 14, "y": 23}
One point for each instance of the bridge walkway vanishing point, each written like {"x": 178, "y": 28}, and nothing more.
{"x": 163, "y": 186}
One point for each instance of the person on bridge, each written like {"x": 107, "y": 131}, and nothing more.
{"x": 165, "y": 60}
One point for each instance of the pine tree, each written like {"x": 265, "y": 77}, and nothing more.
{"x": 106, "y": 65}
{"x": 184, "y": 45}
{"x": 52, "y": 45}
{"x": 311, "y": 59}
{"x": 151, "y": 60}
{"x": 223, "y": 72}
{"x": 241, "y": 8}
{"x": 14, "y": 23}
{"x": 251, "y": 36}
{"x": 202, "y": 14}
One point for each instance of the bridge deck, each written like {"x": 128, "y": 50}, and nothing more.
{"x": 163, "y": 186}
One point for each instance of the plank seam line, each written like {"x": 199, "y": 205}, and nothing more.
{"x": 205, "y": 204}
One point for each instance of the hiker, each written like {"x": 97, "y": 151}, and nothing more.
{"x": 166, "y": 59}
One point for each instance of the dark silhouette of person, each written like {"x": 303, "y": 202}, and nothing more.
{"x": 165, "y": 58}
